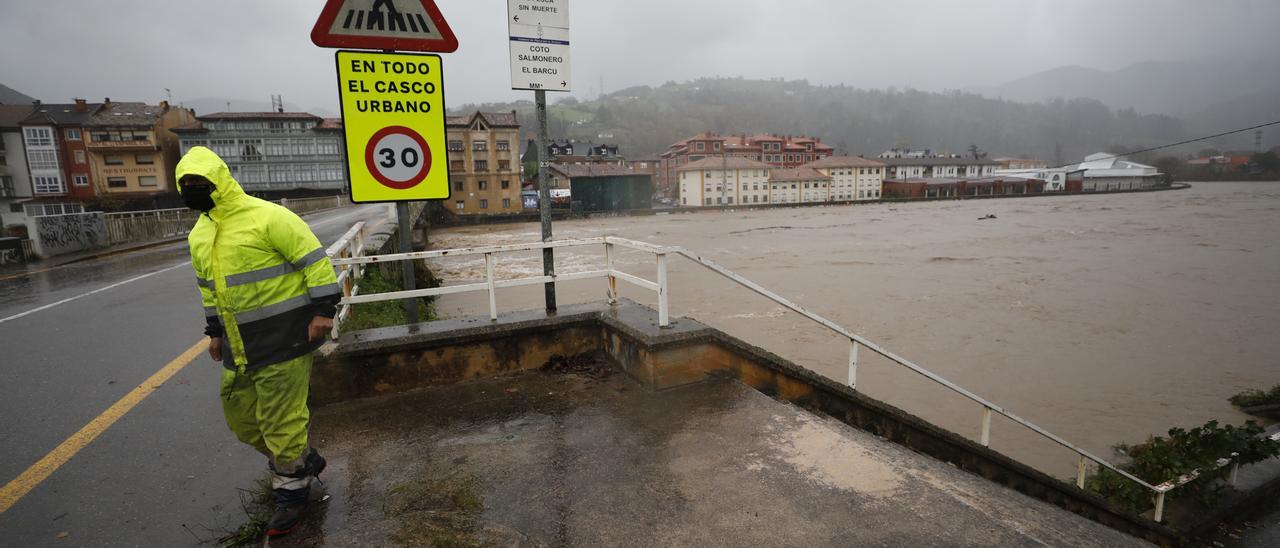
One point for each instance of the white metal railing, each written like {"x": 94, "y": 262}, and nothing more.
{"x": 158, "y": 224}
{"x": 349, "y": 245}
{"x": 145, "y": 226}
{"x": 308, "y": 205}
{"x": 661, "y": 253}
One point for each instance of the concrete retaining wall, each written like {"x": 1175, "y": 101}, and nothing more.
{"x": 387, "y": 360}
{"x": 53, "y": 235}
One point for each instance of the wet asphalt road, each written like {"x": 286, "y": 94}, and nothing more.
{"x": 165, "y": 474}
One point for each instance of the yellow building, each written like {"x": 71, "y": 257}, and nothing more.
{"x": 484, "y": 166}
{"x": 131, "y": 151}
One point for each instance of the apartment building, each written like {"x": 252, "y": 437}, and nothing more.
{"x": 15, "y": 181}
{"x": 852, "y": 178}
{"x": 937, "y": 166}
{"x": 57, "y": 159}
{"x": 274, "y": 153}
{"x": 724, "y": 181}
{"x": 132, "y": 150}
{"x": 484, "y": 168}
{"x": 800, "y": 185}
{"x": 787, "y": 151}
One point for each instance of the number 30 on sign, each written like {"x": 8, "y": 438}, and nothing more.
{"x": 393, "y": 118}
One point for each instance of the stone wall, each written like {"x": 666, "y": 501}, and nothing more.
{"x": 53, "y": 235}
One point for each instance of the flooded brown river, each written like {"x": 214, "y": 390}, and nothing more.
{"x": 1103, "y": 319}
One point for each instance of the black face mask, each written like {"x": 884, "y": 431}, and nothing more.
{"x": 199, "y": 198}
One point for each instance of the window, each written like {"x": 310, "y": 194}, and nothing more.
{"x": 482, "y": 165}
{"x": 80, "y": 180}
{"x": 504, "y": 165}
{"x": 6, "y": 188}
{"x": 506, "y": 203}
{"x": 708, "y": 201}
{"x": 148, "y": 180}
{"x": 4, "y": 161}
{"x": 716, "y": 147}
{"x": 504, "y": 145}
{"x": 328, "y": 146}
{"x": 47, "y": 185}
{"x": 701, "y": 147}
{"x": 484, "y": 204}
{"x": 42, "y": 159}
{"x": 38, "y": 136}
{"x": 79, "y": 156}
{"x": 460, "y": 204}
{"x": 113, "y": 160}
{"x": 482, "y": 185}
{"x": 479, "y": 146}
{"x": 145, "y": 159}
{"x": 455, "y": 146}
{"x": 457, "y": 165}
{"x": 73, "y": 134}
{"x": 506, "y": 185}
{"x": 117, "y": 182}
{"x": 459, "y": 185}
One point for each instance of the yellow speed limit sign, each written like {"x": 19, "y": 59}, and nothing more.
{"x": 393, "y": 120}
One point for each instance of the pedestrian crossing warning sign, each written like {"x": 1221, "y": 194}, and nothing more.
{"x": 393, "y": 120}
{"x": 408, "y": 25}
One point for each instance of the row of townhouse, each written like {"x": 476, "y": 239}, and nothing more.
{"x": 55, "y": 157}
{"x": 733, "y": 180}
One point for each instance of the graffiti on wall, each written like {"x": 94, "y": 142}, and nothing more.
{"x": 59, "y": 234}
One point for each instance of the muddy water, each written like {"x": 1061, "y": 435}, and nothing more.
{"x": 1104, "y": 319}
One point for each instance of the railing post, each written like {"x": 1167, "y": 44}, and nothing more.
{"x": 1159, "y": 516}
{"x": 1080, "y": 469}
{"x": 613, "y": 281}
{"x": 853, "y": 363}
{"x": 986, "y": 426}
{"x": 663, "y": 320}
{"x": 488, "y": 277}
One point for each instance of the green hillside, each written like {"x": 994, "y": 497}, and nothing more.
{"x": 645, "y": 120}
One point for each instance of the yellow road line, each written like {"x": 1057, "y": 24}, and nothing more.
{"x": 12, "y": 492}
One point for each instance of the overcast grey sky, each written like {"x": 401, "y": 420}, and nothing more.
{"x": 250, "y": 49}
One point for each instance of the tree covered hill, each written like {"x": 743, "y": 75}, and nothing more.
{"x": 644, "y": 120}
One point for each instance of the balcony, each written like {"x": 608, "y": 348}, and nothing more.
{"x": 140, "y": 144}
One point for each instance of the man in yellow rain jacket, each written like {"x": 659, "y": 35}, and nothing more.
{"x": 269, "y": 296}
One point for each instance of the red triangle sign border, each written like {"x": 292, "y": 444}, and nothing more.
{"x": 321, "y": 35}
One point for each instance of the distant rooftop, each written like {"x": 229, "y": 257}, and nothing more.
{"x": 798, "y": 174}
{"x": 73, "y": 114}
{"x": 958, "y": 161}
{"x": 128, "y": 115}
{"x": 11, "y": 115}
{"x": 574, "y": 171}
{"x": 717, "y": 162}
{"x": 491, "y": 119}
{"x": 843, "y": 161}
{"x": 258, "y": 115}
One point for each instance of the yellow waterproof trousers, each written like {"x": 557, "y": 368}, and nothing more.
{"x": 267, "y": 408}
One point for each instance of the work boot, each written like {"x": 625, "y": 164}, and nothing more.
{"x": 292, "y": 491}
{"x": 291, "y": 505}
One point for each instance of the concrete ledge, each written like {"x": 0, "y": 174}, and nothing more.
{"x": 380, "y": 361}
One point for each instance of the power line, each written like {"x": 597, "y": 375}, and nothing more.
{"x": 1179, "y": 143}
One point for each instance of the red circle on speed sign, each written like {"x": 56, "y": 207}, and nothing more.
{"x": 398, "y": 157}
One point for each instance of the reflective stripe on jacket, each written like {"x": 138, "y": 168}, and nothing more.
{"x": 262, "y": 273}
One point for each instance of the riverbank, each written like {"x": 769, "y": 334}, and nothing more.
{"x": 1086, "y": 314}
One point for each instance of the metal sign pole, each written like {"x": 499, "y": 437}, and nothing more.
{"x": 544, "y": 200}
{"x": 406, "y": 246}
